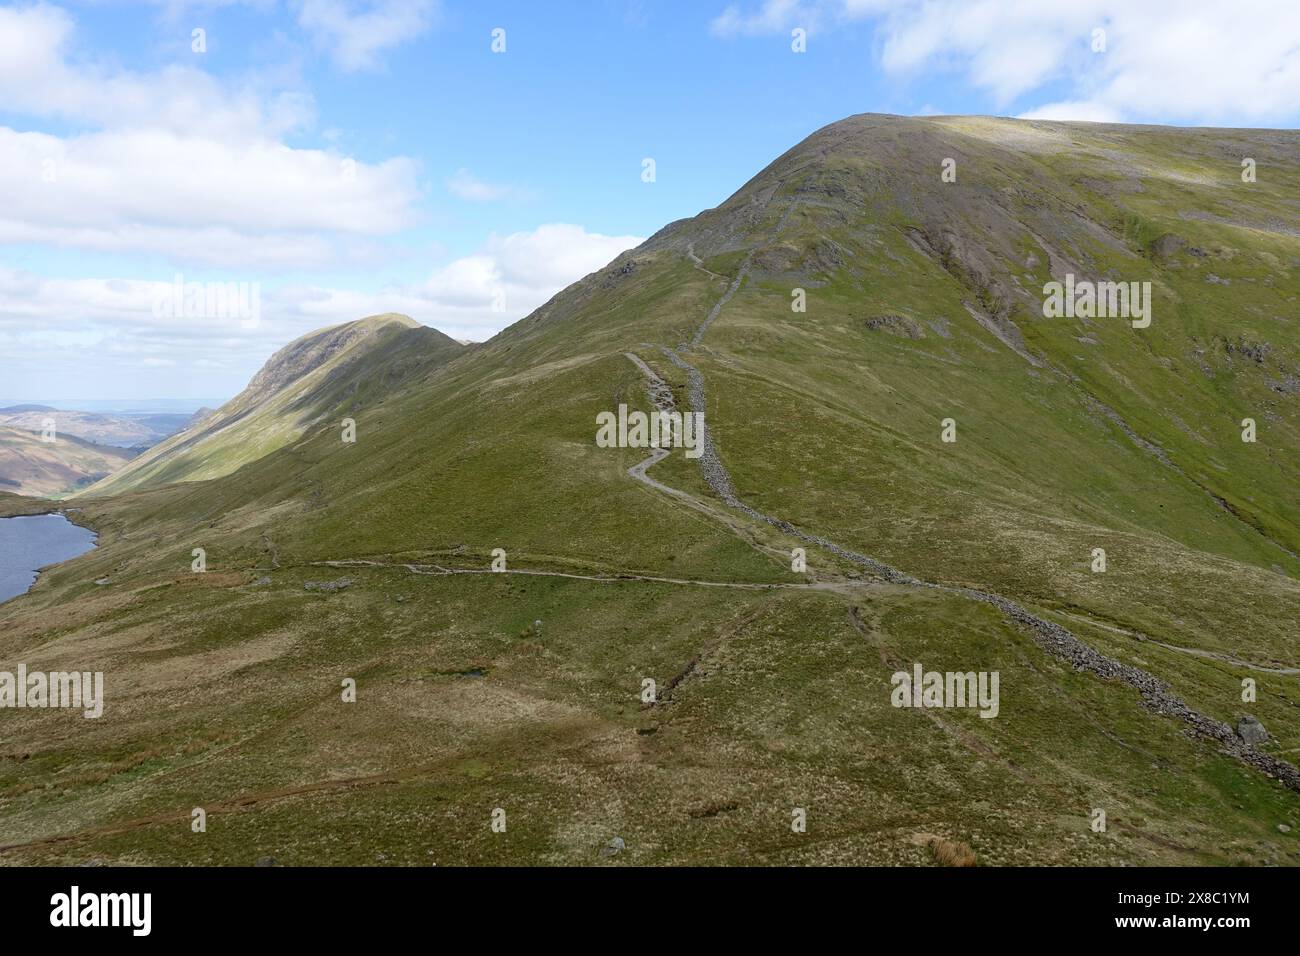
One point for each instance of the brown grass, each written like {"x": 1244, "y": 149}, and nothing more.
{"x": 948, "y": 853}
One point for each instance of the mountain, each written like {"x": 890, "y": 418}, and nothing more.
{"x": 125, "y": 430}
{"x": 650, "y": 665}
{"x": 324, "y": 372}
{"x": 199, "y": 415}
{"x": 56, "y": 469}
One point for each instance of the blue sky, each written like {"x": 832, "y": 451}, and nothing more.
{"x": 351, "y": 157}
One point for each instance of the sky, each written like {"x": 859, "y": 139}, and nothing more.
{"x": 461, "y": 162}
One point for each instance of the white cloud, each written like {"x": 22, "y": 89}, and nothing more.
{"x": 1086, "y": 111}
{"x": 53, "y": 326}
{"x": 255, "y": 201}
{"x": 357, "y": 33}
{"x": 1169, "y": 61}
{"x": 771, "y": 16}
{"x": 38, "y": 77}
{"x": 1005, "y": 48}
{"x": 465, "y": 185}
{"x": 476, "y": 296}
{"x": 178, "y": 164}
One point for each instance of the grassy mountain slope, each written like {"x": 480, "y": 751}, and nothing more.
{"x": 307, "y": 380}
{"x": 57, "y": 469}
{"x": 478, "y": 690}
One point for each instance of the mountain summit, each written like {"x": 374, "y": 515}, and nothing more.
{"x": 320, "y": 374}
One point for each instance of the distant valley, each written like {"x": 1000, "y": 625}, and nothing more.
{"x": 52, "y": 453}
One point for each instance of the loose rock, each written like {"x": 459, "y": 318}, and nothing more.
{"x": 1250, "y": 730}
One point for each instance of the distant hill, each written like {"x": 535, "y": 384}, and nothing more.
{"x": 199, "y": 416}
{"x": 322, "y": 375}
{"x": 126, "y": 430}
{"x": 57, "y": 469}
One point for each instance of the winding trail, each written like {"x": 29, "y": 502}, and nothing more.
{"x": 622, "y": 577}
{"x": 1050, "y": 636}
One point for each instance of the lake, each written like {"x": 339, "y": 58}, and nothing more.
{"x": 29, "y": 542}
